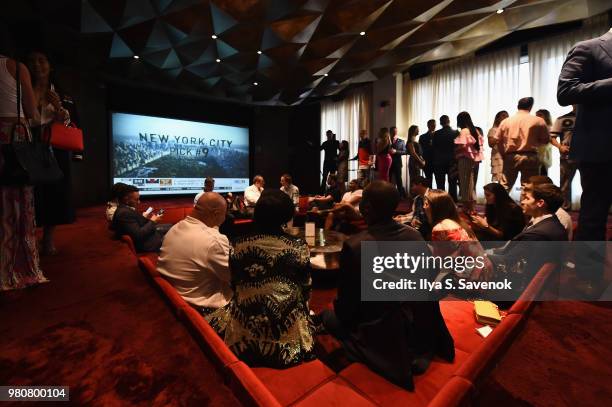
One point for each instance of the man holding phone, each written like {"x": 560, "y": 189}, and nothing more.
{"x": 143, "y": 230}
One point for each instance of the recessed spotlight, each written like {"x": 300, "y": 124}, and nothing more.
{"x": 214, "y": 37}
{"x": 501, "y": 10}
{"x": 326, "y": 74}
{"x": 362, "y": 33}
{"x": 218, "y": 60}
{"x": 136, "y": 57}
{"x": 255, "y": 83}
{"x": 259, "y": 52}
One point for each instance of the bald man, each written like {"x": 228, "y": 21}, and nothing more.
{"x": 194, "y": 255}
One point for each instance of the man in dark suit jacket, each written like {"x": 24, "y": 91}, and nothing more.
{"x": 127, "y": 221}
{"x": 395, "y": 339}
{"x": 540, "y": 202}
{"x": 444, "y": 156}
{"x": 426, "y": 143}
{"x": 398, "y": 149}
{"x": 586, "y": 80}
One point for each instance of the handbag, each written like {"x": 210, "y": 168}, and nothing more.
{"x": 29, "y": 162}
{"x": 66, "y": 137}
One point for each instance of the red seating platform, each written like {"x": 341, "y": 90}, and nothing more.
{"x": 315, "y": 384}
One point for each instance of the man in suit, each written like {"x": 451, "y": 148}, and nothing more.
{"x": 127, "y": 221}
{"x": 444, "y": 157}
{"x": 398, "y": 149}
{"x": 426, "y": 142}
{"x": 586, "y": 80}
{"x": 540, "y": 202}
{"x": 396, "y": 339}
{"x": 330, "y": 159}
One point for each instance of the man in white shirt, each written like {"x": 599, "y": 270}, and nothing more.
{"x": 290, "y": 189}
{"x": 253, "y": 192}
{"x": 194, "y": 255}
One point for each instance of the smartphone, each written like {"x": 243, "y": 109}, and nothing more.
{"x": 161, "y": 212}
{"x": 148, "y": 211}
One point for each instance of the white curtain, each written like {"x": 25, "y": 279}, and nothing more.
{"x": 481, "y": 86}
{"x": 546, "y": 59}
{"x": 346, "y": 118}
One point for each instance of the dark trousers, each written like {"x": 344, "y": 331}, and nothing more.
{"x": 428, "y": 171}
{"x": 592, "y": 222}
{"x": 567, "y": 172}
{"x": 332, "y": 324}
{"x": 396, "y": 176}
{"x": 595, "y": 201}
{"x": 441, "y": 172}
{"x": 329, "y": 166}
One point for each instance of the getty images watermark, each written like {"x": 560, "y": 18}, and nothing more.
{"x": 426, "y": 271}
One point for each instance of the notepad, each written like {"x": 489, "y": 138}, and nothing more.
{"x": 486, "y": 313}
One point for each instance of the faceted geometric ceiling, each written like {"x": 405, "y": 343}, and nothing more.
{"x": 284, "y": 51}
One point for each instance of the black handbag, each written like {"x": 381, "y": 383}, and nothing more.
{"x": 29, "y": 162}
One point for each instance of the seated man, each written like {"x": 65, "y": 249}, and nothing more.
{"x": 127, "y": 221}
{"x": 540, "y": 202}
{"x": 291, "y": 190}
{"x": 253, "y": 192}
{"x": 417, "y": 218}
{"x": 395, "y": 339}
{"x": 562, "y": 215}
{"x": 113, "y": 203}
{"x": 209, "y": 186}
{"x": 194, "y": 256}
{"x": 331, "y": 195}
{"x": 348, "y": 208}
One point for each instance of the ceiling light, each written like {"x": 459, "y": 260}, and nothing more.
{"x": 255, "y": 83}
{"x": 501, "y": 10}
{"x": 218, "y": 60}
{"x": 214, "y": 37}
{"x": 136, "y": 57}
{"x": 326, "y": 74}
{"x": 362, "y": 33}
{"x": 259, "y": 52}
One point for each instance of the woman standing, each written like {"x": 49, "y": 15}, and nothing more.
{"x": 343, "y": 156}
{"x": 383, "y": 158}
{"x": 416, "y": 161}
{"x": 19, "y": 265}
{"x": 545, "y": 151}
{"x": 497, "y": 161}
{"x": 469, "y": 144}
{"x": 53, "y": 202}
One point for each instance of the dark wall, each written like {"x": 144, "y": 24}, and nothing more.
{"x": 279, "y": 135}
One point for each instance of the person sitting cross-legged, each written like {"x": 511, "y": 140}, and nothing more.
{"x": 347, "y": 209}
{"x": 396, "y": 339}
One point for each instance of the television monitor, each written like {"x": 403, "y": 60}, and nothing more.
{"x": 170, "y": 156}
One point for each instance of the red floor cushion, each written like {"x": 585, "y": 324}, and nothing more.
{"x": 460, "y": 320}
{"x": 386, "y": 393}
{"x": 457, "y": 392}
{"x": 289, "y": 385}
{"x": 176, "y": 301}
{"x": 248, "y": 388}
{"x": 130, "y": 243}
{"x": 148, "y": 265}
{"x": 212, "y": 344}
{"x": 336, "y": 392}
{"x": 485, "y": 357}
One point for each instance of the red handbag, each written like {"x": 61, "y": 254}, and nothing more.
{"x": 66, "y": 137}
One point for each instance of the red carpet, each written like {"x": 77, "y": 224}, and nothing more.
{"x": 100, "y": 328}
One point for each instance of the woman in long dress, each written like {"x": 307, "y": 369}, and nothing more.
{"x": 19, "y": 262}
